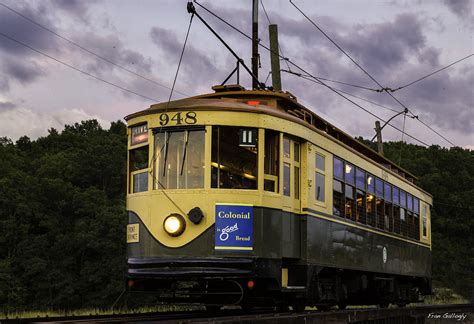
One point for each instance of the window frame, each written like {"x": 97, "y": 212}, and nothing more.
{"x": 321, "y": 173}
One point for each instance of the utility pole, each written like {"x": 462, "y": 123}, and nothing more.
{"x": 274, "y": 57}
{"x": 255, "y": 84}
{"x": 378, "y": 132}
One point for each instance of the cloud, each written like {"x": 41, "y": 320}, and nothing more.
{"x": 75, "y": 8}
{"x": 23, "y": 121}
{"x": 4, "y": 106}
{"x": 113, "y": 49}
{"x": 17, "y": 62}
{"x": 195, "y": 65}
{"x": 461, "y": 8}
{"x": 23, "y": 72}
{"x": 22, "y": 30}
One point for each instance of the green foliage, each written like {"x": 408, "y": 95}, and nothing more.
{"x": 62, "y": 218}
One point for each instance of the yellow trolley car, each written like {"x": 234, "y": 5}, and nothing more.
{"x": 247, "y": 197}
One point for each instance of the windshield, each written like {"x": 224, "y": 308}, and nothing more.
{"x": 179, "y": 159}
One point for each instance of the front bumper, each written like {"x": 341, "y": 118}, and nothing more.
{"x": 191, "y": 268}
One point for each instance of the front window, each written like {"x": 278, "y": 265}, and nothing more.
{"x": 179, "y": 159}
{"x": 234, "y": 165}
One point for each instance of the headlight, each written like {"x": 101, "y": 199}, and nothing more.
{"x": 174, "y": 224}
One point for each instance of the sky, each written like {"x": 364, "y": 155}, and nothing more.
{"x": 63, "y": 61}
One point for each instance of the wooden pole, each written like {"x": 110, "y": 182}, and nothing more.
{"x": 274, "y": 57}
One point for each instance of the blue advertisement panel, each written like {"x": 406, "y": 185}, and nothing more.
{"x": 234, "y": 227}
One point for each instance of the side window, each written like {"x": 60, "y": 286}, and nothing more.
{"x": 370, "y": 201}
{"x": 396, "y": 209}
{"x": 424, "y": 221}
{"x": 338, "y": 198}
{"x": 320, "y": 177}
{"x": 379, "y": 203}
{"x": 388, "y": 218}
{"x": 234, "y": 165}
{"x": 272, "y": 161}
{"x": 138, "y": 164}
{"x": 403, "y": 213}
{"x": 286, "y": 167}
{"x": 338, "y": 168}
{"x": 291, "y": 167}
{"x": 360, "y": 196}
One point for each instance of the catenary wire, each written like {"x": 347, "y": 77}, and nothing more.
{"x": 265, "y": 46}
{"x": 180, "y": 59}
{"x": 382, "y": 88}
{"x": 97, "y": 78}
{"x": 87, "y": 50}
{"x": 364, "y": 109}
{"x": 269, "y": 22}
{"x": 304, "y": 71}
{"x": 76, "y": 69}
{"x": 432, "y": 73}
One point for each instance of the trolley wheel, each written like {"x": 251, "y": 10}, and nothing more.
{"x": 213, "y": 308}
{"x": 342, "y": 305}
{"x": 298, "y": 307}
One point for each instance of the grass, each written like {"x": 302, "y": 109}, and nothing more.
{"x": 440, "y": 296}
{"x": 96, "y": 311}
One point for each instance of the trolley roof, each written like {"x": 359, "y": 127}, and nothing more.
{"x": 235, "y": 97}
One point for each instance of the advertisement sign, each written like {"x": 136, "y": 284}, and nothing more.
{"x": 234, "y": 227}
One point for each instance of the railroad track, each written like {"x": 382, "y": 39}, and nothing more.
{"x": 460, "y": 313}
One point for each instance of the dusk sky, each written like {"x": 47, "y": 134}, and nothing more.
{"x": 395, "y": 41}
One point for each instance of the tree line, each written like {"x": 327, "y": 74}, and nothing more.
{"x": 63, "y": 218}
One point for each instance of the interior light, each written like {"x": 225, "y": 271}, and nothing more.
{"x": 369, "y": 180}
{"x": 215, "y": 165}
{"x": 174, "y": 224}
{"x": 249, "y": 176}
{"x": 348, "y": 168}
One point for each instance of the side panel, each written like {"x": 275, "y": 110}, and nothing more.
{"x": 276, "y": 234}
{"x": 337, "y": 245}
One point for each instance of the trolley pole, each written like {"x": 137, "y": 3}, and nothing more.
{"x": 378, "y": 131}
{"x": 255, "y": 84}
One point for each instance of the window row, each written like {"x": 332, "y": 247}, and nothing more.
{"x": 366, "y": 199}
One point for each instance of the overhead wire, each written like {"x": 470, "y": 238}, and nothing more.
{"x": 266, "y": 47}
{"x": 432, "y": 73}
{"x": 349, "y": 94}
{"x": 75, "y": 68}
{"x": 87, "y": 50}
{"x": 382, "y": 88}
{"x": 269, "y": 22}
{"x": 310, "y": 76}
{"x": 155, "y": 179}
{"x": 364, "y": 109}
